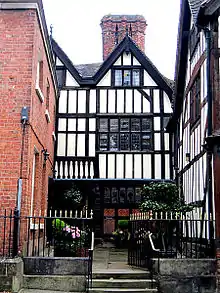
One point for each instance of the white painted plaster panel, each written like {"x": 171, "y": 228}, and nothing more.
{"x": 167, "y": 104}
{"x": 71, "y": 124}
{"x": 91, "y": 145}
{"x": 92, "y": 101}
{"x": 137, "y": 102}
{"x": 81, "y": 124}
{"x": 103, "y": 101}
{"x": 92, "y": 124}
{"x": 128, "y": 101}
{"x": 135, "y": 62}
{"x": 126, "y": 59}
{"x": 147, "y": 166}
{"x": 137, "y": 166}
{"x": 62, "y": 124}
{"x": 111, "y": 101}
{"x": 58, "y": 62}
{"x": 61, "y": 146}
{"x": 118, "y": 61}
{"x": 157, "y": 141}
{"x": 156, "y": 123}
{"x": 102, "y": 166}
{"x": 71, "y": 144}
{"x": 120, "y": 166}
{"x": 70, "y": 80}
{"x": 72, "y": 101}
{"x": 81, "y": 145}
{"x": 120, "y": 101}
{"x": 82, "y": 101}
{"x": 167, "y": 167}
{"x": 148, "y": 80}
{"x": 146, "y": 105}
{"x": 219, "y": 31}
{"x": 167, "y": 141}
{"x": 106, "y": 80}
{"x": 111, "y": 166}
{"x": 156, "y": 100}
{"x": 129, "y": 166}
{"x": 62, "y": 101}
{"x": 157, "y": 166}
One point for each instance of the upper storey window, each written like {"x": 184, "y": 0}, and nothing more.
{"x": 127, "y": 77}
{"x": 195, "y": 100}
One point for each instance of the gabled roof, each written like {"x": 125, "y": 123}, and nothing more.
{"x": 127, "y": 45}
{"x": 195, "y": 7}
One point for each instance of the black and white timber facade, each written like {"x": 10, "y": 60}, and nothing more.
{"x": 110, "y": 129}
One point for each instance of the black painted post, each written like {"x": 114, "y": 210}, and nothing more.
{"x": 15, "y": 233}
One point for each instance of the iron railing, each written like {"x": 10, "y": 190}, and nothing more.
{"x": 168, "y": 236}
{"x": 54, "y": 233}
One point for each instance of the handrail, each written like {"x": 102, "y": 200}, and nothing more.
{"x": 90, "y": 261}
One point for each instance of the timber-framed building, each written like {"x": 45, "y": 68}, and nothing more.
{"x": 111, "y": 120}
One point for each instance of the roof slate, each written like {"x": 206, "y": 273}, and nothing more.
{"x": 87, "y": 70}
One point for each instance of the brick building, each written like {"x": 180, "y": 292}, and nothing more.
{"x": 28, "y": 88}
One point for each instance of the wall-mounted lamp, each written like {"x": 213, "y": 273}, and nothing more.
{"x": 187, "y": 157}
{"x": 46, "y": 154}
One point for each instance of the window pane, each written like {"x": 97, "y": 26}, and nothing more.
{"x": 135, "y": 141}
{"x": 107, "y": 197}
{"x": 60, "y": 77}
{"x": 124, "y": 125}
{"x": 130, "y": 194}
{"x": 114, "y": 125}
{"x": 136, "y": 77}
{"x": 146, "y": 124}
{"x": 135, "y": 125}
{"x": 118, "y": 77}
{"x": 146, "y": 141}
{"x": 122, "y": 195}
{"x": 103, "y": 125}
{"x": 103, "y": 142}
{"x": 124, "y": 141}
{"x": 114, "y": 195}
{"x": 127, "y": 77}
{"x": 113, "y": 142}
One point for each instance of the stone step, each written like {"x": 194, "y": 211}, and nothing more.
{"x": 42, "y": 291}
{"x": 50, "y": 282}
{"x": 124, "y": 283}
{"x": 121, "y": 274}
{"x": 117, "y": 290}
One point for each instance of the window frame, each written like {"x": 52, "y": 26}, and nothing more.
{"x": 131, "y": 69}
{"x": 195, "y": 100}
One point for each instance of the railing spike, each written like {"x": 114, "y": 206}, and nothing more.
{"x": 91, "y": 214}
{"x": 71, "y": 214}
{"x": 65, "y": 214}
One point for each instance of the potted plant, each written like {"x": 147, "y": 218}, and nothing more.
{"x": 121, "y": 234}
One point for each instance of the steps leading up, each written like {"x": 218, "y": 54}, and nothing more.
{"x": 117, "y": 281}
{"x": 64, "y": 283}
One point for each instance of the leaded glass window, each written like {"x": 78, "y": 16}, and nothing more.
{"x": 125, "y": 134}
{"x": 118, "y": 77}
{"x": 127, "y": 77}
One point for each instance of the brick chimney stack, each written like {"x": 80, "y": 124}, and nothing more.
{"x": 115, "y": 27}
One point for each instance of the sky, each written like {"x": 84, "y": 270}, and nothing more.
{"x": 76, "y": 28}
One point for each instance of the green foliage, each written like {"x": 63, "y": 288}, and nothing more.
{"x": 163, "y": 197}
{"x": 58, "y": 224}
{"x": 123, "y": 224}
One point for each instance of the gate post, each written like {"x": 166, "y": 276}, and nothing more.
{"x": 15, "y": 232}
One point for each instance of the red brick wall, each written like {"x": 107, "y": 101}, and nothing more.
{"x": 108, "y": 25}
{"x": 21, "y": 47}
